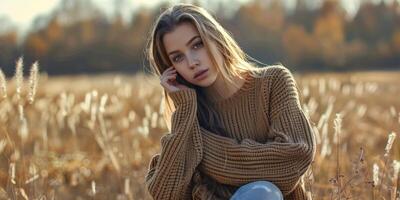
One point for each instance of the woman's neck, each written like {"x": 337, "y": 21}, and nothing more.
{"x": 221, "y": 90}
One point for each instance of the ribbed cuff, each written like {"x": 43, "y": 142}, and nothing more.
{"x": 182, "y": 96}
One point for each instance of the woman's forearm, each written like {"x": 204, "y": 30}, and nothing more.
{"x": 170, "y": 172}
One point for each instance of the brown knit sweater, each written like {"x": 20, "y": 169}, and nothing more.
{"x": 270, "y": 139}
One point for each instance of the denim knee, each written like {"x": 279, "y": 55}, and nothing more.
{"x": 258, "y": 190}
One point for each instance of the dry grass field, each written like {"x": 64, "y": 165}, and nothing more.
{"x": 91, "y": 137}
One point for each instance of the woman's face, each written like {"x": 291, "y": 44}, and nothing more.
{"x": 189, "y": 56}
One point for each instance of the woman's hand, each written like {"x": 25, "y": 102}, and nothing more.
{"x": 168, "y": 81}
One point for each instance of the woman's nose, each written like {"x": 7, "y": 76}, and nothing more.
{"x": 193, "y": 61}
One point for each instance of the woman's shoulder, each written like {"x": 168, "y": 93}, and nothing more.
{"x": 273, "y": 72}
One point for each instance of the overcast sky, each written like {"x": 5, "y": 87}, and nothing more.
{"x": 22, "y": 12}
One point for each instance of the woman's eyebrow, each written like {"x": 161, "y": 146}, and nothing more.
{"x": 187, "y": 44}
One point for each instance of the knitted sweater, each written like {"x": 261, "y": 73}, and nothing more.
{"x": 269, "y": 138}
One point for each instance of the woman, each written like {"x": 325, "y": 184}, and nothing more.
{"x": 235, "y": 130}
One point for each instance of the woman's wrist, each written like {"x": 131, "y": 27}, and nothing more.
{"x": 182, "y": 96}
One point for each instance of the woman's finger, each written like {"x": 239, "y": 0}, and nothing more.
{"x": 171, "y": 73}
{"x": 172, "y": 70}
{"x": 168, "y": 73}
{"x": 168, "y": 77}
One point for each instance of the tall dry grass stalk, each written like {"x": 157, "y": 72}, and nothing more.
{"x": 127, "y": 189}
{"x": 23, "y": 193}
{"x": 389, "y": 143}
{"x": 93, "y": 188}
{"x": 375, "y": 175}
{"x": 3, "y": 144}
{"x": 12, "y": 173}
{"x": 33, "y": 82}
{"x": 396, "y": 170}
{"x": 388, "y": 147}
{"x": 336, "y": 140}
{"x": 19, "y": 77}
{"x": 3, "y": 85}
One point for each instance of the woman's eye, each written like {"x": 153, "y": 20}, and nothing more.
{"x": 198, "y": 45}
{"x": 176, "y": 58}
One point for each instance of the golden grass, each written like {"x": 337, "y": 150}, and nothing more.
{"x": 91, "y": 137}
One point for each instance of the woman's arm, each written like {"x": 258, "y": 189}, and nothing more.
{"x": 170, "y": 172}
{"x": 233, "y": 163}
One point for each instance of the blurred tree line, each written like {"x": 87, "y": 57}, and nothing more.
{"x": 77, "y": 37}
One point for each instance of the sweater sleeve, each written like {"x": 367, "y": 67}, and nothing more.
{"x": 170, "y": 172}
{"x": 283, "y": 163}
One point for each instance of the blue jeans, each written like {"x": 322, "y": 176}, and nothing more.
{"x": 258, "y": 190}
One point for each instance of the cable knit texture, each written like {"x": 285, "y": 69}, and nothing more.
{"x": 270, "y": 138}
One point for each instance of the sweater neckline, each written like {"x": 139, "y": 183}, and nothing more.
{"x": 243, "y": 89}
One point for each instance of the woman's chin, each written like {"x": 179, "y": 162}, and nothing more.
{"x": 207, "y": 82}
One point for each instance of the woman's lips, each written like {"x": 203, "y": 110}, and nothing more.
{"x": 201, "y": 75}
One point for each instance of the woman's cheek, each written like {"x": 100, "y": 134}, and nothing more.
{"x": 203, "y": 54}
